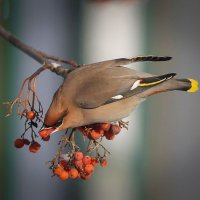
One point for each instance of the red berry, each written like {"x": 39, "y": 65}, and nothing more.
{"x": 94, "y": 135}
{"x": 19, "y": 143}
{"x": 109, "y": 135}
{"x": 85, "y": 176}
{"x": 63, "y": 163}
{"x": 34, "y": 147}
{"x": 26, "y": 141}
{"x": 78, "y": 155}
{"x": 86, "y": 160}
{"x": 115, "y": 129}
{"x": 105, "y": 126}
{"x": 82, "y": 130}
{"x": 94, "y": 161}
{"x": 103, "y": 162}
{"x": 89, "y": 169}
{"x": 47, "y": 138}
{"x": 79, "y": 165}
{"x": 73, "y": 173}
{"x": 30, "y": 115}
{"x": 45, "y": 132}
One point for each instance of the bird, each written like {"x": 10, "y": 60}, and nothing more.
{"x": 107, "y": 91}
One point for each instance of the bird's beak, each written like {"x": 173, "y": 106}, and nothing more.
{"x": 47, "y": 130}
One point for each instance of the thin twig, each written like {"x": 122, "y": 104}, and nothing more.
{"x": 58, "y": 59}
{"x": 35, "y": 54}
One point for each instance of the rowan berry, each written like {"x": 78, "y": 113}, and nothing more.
{"x": 73, "y": 173}
{"x": 82, "y": 130}
{"x": 45, "y": 132}
{"x": 34, "y": 147}
{"x": 63, "y": 163}
{"x": 19, "y": 143}
{"x": 79, "y": 164}
{"x": 86, "y": 160}
{"x": 94, "y": 161}
{"x": 105, "y": 126}
{"x": 47, "y": 138}
{"x": 58, "y": 170}
{"x": 64, "y": 175}
{"x": 109, "y": 135}
{"x": 30, "y": 115}
{"x": 89, "y": 169}
{"x": 85, "y": 176}
{"x": 26, "y": 141}
{"x": 78, "y": 155}
{"x": 115, "y": 129}
{"x": 104, "y": 163}
{"x": 94, "y": 135}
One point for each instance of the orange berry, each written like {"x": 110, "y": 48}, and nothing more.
{"x": 105, "y": 126}
{"x": 79, "y": 164}
{"x": 94, "y": 135}
{"x": 30, "y": 115}
{"x": 85, "y": 176}
{"x": 79, "y": 175}
{"x": 94, "y": 161}
{"x": 58, "y": 170}
{"x": 89, "y": 169}
{"x": 19, "y": 143}
{"x": 73, "y": 173}
{"x": 104, "y": 163}
{"x": 86, "y": 160}
{"x": 34, "y": 147}
{"x": 101, "y": 131}
{"x": 78, "y": 155}
{"x": 64, "y": 175}
{"x": 115, "y": 129}
{"x": 45, "y": 132}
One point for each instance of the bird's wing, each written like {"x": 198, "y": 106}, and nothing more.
{"x": 126, "y": 61}
{"x": 104, "y": 84}
{"x": 113, "y": 84}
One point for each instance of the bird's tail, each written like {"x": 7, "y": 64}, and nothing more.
{"x": 189, "y": 85}
{"x": 152, "y": 85}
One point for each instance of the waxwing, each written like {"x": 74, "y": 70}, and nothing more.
{"x": 107, "y": 92}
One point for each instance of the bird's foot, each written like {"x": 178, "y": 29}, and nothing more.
{"x": 123, "y": 124}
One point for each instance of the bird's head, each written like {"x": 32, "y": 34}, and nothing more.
{"x": 55, "y": 116}
{"x": 53, "y": 123}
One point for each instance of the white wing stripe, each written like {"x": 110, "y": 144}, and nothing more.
{"x": 135, "y": 84}
{"x": 117, "y": 97}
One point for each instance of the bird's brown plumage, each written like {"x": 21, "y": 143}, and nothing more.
{"x": 101, "y": 92}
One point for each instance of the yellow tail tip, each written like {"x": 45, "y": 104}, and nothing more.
{"x": 194, "y": 85}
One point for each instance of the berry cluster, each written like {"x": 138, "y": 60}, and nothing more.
{"x": 31, "y": 122}
{"x": 100, "y": 130}
{"x": 33, "y": 146}
{"x": 69, "y": 161}
{"x": 77, "y": 165}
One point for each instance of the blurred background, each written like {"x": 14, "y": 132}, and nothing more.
{"x": 158, "y": 157}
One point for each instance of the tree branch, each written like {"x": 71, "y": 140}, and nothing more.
{"x": 39, "y": 56}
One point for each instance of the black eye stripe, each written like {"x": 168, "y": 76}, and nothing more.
{"x": 57, "y": 124}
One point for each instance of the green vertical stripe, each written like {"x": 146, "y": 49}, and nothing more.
{"x": 8, "y": 68}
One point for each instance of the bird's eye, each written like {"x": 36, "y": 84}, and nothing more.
{"x": 58, "y": 123}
